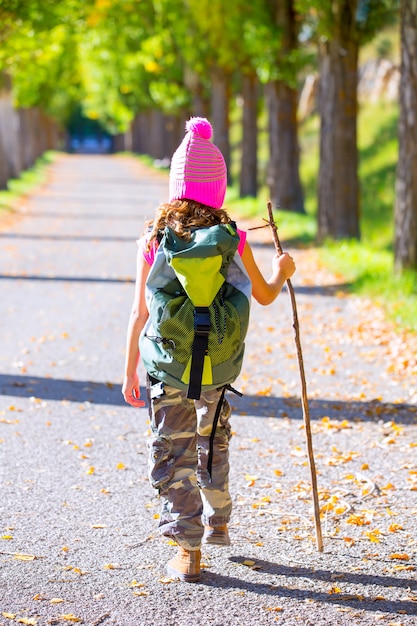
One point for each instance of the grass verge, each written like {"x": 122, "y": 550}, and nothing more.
{"x": 27, "y": 181}
{"x": 369, "y": 272}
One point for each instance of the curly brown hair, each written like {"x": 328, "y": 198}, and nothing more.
{"x": 182, "y": 216}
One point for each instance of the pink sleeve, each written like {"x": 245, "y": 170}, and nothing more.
{"x": 148, "y": 256}
{"x": 242, "y": 235}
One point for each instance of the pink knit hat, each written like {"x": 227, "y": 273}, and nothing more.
{"x": 198, "y": 171}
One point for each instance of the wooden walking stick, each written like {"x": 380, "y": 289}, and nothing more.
{"x": 304, "y": 400}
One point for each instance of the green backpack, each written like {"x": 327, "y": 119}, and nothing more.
{"x": 198, "y": 295}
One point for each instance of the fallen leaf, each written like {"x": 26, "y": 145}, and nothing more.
{"x": 141, "y": 593}
{"x": 399, "y": 557}
{"x": 373, "y": 535}
{"x": 388, "y": 487}
{"x": 297, "y": 451}
{"x": 393, "y": 528}
{"x": 79, "y": 571}
{"x": 349, "y": 541}
{"x": 357, "y": 520}
{"x": 250, "y": 564}
{"x": 264, "y": 392}
{"x": 69, "y": 617}
{"x": 56, "y": 600}
{"x": 165, "y": 580}
{"x": 135, "y": 583}
{"x": 251, "y": 480}
{"x": 9, "y": 615}
{"x": 24, "y": 557}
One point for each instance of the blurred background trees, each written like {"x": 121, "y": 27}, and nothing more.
{"x": 126, "y": 74}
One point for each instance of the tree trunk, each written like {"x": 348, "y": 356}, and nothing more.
{"x": 140, "y": 132}
{"x": 175, "y": 131}
{"x": 220, "y": 98}
{"x": 338, "y": 192}
{"x": 200, "y": 105}
{"x": 9, "y": 127}
{"x": 283, "y": 176}
{"x": 284, "y": 154}
{"x": 157, "y": 134}
{"x": 249, "y": 163}
{"x": 26, "y": 144}
{"x": 4, "y": 167}
{"x": 406, "y": 183}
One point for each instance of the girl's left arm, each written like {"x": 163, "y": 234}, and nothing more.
{"x": 266, "y": 290}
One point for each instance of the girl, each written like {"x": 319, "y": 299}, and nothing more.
{"x": 196, "y": 508}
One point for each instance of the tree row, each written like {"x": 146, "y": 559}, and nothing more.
{"x": 133, "y": 63}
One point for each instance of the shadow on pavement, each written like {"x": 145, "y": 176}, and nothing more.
{"x": 77, "y": 216}
{"x": 65, "y": 279}
{"x": 62, "y": 390}
{"x": 327, "y": 290}
{"x": 256, "y": 406}
{"x": 356, "y": 411}
{"x": 357, "y": 600}
{"x": 67, "y": 237}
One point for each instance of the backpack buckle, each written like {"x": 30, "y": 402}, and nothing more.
{"x": 201, "y": 320}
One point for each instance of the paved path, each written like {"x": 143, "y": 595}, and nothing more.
{"x": 78, "y": 536}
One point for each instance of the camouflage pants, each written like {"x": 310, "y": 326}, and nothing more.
{"x": 178, "y": 454}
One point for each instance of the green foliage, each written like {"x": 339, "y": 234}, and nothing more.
{"x": 309, "y": 161}
{"x": 116, "y": 57}
{"x": 378, "y": 156}
{"x": 373, "y": 15}
{"x": 44, "y": 68}
{"x": 325, "y": 19}
{"x": 385, "y": 45}
{"x": 39, "y": 49}
{"x": 231, "y": 32}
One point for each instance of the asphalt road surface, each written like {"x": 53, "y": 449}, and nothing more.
{"x": 78, "y": 519}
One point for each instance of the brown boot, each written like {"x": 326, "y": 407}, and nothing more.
{"x": 185, "y": 565}
{"x": 217, "y": 535}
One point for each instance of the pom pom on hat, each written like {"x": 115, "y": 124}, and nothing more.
{"x": 199, "y": 126}
{"x": 198, "y": 170}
